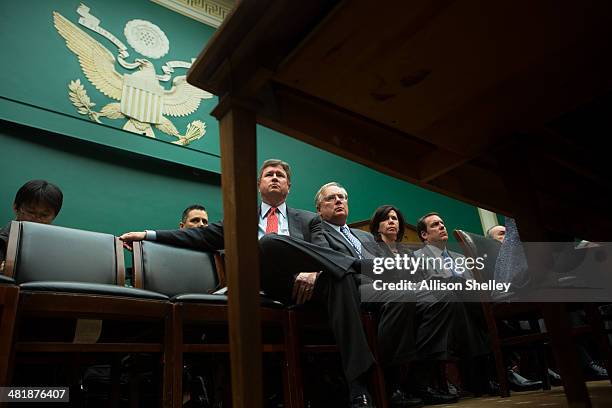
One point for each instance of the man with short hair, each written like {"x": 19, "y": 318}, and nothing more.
{"x": 35, "y": 201}
{"x": 497, "y": 232}
{"x": 194, "y": 216}
{"x": 399, "y": 311}
{"x": 471, "y": 336}
{"x": 432, "y": 232}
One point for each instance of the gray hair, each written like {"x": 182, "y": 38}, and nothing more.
{"x": 318, "y": 196}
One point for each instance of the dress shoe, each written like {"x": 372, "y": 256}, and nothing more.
{"x": 362, "y": 401}
{"x": 555, "y": 379}
{"x": 596, "y": 371}
{"x": 433, "y": 397}
{"x": 399, "y": 399}
{"x": 519, "y": 383}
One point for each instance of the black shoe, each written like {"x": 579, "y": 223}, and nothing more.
{"x": 519, "y": 383}
{"x": 555, "y": 379}
{"x": 596, "y": 372}
{"x": 399, "y": 399}
{"x": 492, "y": 388}
{"x": 433, "y": 397}
{"x": 362, "y": 401}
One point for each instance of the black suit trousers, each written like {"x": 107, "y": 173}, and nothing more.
{"x": 407, "y": 328}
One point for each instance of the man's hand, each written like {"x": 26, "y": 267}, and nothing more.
{"x": 129, "y": 237}
{"x": 303, "y": 287}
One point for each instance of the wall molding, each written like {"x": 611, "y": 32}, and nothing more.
{"x": 210, "y": 12}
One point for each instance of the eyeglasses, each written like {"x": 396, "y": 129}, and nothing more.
{"x": 334, "y": 197}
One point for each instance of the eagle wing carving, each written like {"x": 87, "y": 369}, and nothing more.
{"x": 97, "y": 62}
{"x": 183, "y": 99}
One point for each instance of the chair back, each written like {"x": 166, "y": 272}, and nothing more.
{"x": 475, "y": 246}
{"x": 172, "y": 271}
{"x": 39, "y": 252}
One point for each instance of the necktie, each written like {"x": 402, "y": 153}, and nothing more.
{"x": 345, "y": 231}
{"x": 445, "y": 256}
{"x": 272, "y": 223}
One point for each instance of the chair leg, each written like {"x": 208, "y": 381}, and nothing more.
{"x": 177, "y": 357}
{"x": 603, "y": 344}
{"x": 9, "y": 296}
{"x": 292, "y": 363}
{"x": 380, "y": 391}
{"x": 557, "y": 324}
{"x": 115, "y": 397}
{"x": 542, "y": 361}
{"x": 500, "y": 366}
{"x": 168, "y": 360}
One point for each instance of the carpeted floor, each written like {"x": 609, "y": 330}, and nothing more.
{"x": 600, "y": 392}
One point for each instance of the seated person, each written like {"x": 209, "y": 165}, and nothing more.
{"x": 36, "y": 201}
{"x": 387, "y": 225}
{"x": 194, "y": 216}
{"x": 497, "y": 232}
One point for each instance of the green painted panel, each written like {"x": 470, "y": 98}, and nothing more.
{"x": 368, "y": 189}
{"x": 81, "y": 128}
{"x": 38, "y": 66}
{"x": 104, "y": 189}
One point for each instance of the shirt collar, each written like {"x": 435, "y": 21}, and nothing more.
{"x": 435, "y": 250}
{"x": 336, "y": 227}
{"x": 265, "y": 207}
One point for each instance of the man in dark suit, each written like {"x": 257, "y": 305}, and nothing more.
{"x": 401, "y": 339}
{"x": 297, "y": 266}
{"x": 433, "y": 234}
{"x": 470, "y": 339}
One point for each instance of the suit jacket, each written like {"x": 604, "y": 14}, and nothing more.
{"x": 337, "y": 242}
{"x": 304, "y": 225}
{"x": 435, "y": 272}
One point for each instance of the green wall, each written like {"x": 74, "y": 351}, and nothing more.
{"x": 116, "y": 181}
{"x": 104, "y": 189}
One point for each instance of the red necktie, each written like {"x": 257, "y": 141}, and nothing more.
{"x": 272, "y": 225}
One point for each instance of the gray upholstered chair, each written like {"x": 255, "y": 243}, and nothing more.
{"x": 73, "y": 274}
{"x": 189, "y": 277}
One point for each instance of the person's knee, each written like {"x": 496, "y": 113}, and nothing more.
{"x": 270, "y": 242}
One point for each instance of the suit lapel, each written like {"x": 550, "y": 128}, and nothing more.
{"x": 368, "y": 244}
{"x": 340, "y": 239}
{"x": 430, "y": 254}
{"x": 294, "y": 220}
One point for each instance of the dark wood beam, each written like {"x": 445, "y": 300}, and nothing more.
{"x": 438, "y": 163}
{"x": 341, "y": 132}
{"x": 379, "y": 147}
{"x": 256, "y": 38}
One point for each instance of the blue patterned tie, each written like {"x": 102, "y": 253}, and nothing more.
{"x": 347, "y": 234}
{"x": 446, "y": 255}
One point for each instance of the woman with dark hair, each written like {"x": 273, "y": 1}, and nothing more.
{"x": 387, "y": 225}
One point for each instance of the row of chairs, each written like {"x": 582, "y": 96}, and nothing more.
{"x": 56, "y": 272}
{"x": 554, "y": 315}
